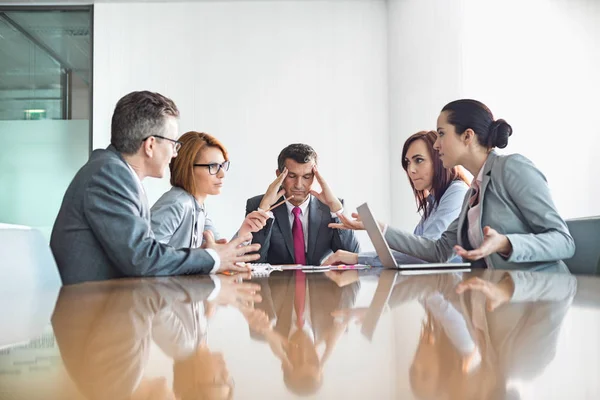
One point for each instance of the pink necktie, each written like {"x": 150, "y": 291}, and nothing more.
{"x": 298, "y": 235}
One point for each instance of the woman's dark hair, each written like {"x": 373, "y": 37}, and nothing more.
{"x": 466, "y": 113}
{"x": 442, "y": 177}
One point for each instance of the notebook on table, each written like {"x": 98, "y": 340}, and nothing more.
{"x": 265, "y": 269}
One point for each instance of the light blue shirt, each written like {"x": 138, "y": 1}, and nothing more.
{"x": 431, "y": 227}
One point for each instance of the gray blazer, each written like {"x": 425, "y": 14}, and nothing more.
{"x": 277, "y": 244}
{"x": 176, "y": 216}
{"x": 515, "y": 201}
{"x": 102, "y": 230}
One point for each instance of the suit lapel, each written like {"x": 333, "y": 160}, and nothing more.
{"x": 315, "y": 216}
{"x": 462, "y": 218}
{"x": 463, "y": 225}
{"x": 283, "y": 221}
{"x": 485, "y": 180}
{"x": 195, "y": 232}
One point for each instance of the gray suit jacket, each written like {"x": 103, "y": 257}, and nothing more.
{"x": 176, "y": 216}
{"x": 277, "y": 244}
{"x": 515, "y": 201}
{"x": 102, "y": 230}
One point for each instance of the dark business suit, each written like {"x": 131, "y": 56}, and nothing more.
{"x": 103, "y": 231}
{"x": 277, "y": 243}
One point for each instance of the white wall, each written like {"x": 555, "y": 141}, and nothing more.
{"x": 536, "y": 64}
{"x": 355, "y": 79}
{"x": 533, "y": 63}
{"x": 259, "y": 76}
{"x": 425, "y": 72}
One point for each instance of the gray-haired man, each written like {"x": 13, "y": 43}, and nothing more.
{"x": 299, "y": 231}
{"x": 103, "y": 227}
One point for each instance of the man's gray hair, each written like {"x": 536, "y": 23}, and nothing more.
{"x": 301, "y": 153}
{"x": 137, "y": 116}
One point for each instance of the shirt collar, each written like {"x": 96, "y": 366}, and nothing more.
{"x": 134, "y": 173}
{"x": 199, "y": 207}
{"x": 479, "y": 177}
{"x": 302, "y": 206}
{"x": 430, "y": 199}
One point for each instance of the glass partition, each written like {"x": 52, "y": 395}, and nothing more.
{"x": 45, "y": 108}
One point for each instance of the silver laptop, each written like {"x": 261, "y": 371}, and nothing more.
{"x": 385, "y": 254}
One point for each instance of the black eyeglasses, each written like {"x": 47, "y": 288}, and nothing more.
{"x": 176, "y": 143}
{"x": 214, "y": 168}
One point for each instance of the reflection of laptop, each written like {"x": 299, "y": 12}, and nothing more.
{"x": 385, "y": 254}
{"x": 380, "y": 299}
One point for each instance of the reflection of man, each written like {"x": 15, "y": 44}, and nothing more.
{"x": 104, "y": 333}
{"x": 298, "y": 233}
{"x": 299, "y": 325}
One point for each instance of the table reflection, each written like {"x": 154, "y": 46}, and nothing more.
{"x": 375, "y": 334}
{"x": 480, "y": 330}
{"x": 104, "y": 332}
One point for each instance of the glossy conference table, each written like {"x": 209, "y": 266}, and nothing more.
{"x": 369, "y": 335}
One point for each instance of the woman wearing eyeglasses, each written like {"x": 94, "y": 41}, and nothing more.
{"x": 179, "y": 217}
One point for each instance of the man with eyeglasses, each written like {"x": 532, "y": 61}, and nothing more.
{"x": 298, "y": 232}
{"x": 103, "y": 230}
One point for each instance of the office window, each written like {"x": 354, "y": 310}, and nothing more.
{"x": 45, "y": 108}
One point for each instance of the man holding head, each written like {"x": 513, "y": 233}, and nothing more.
{"x": 298, "y": 233}
{"x": 103, "y": 231}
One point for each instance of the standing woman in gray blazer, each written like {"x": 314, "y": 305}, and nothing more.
{"x": 179, "y": 216}
{"x": 508, "y": 219}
